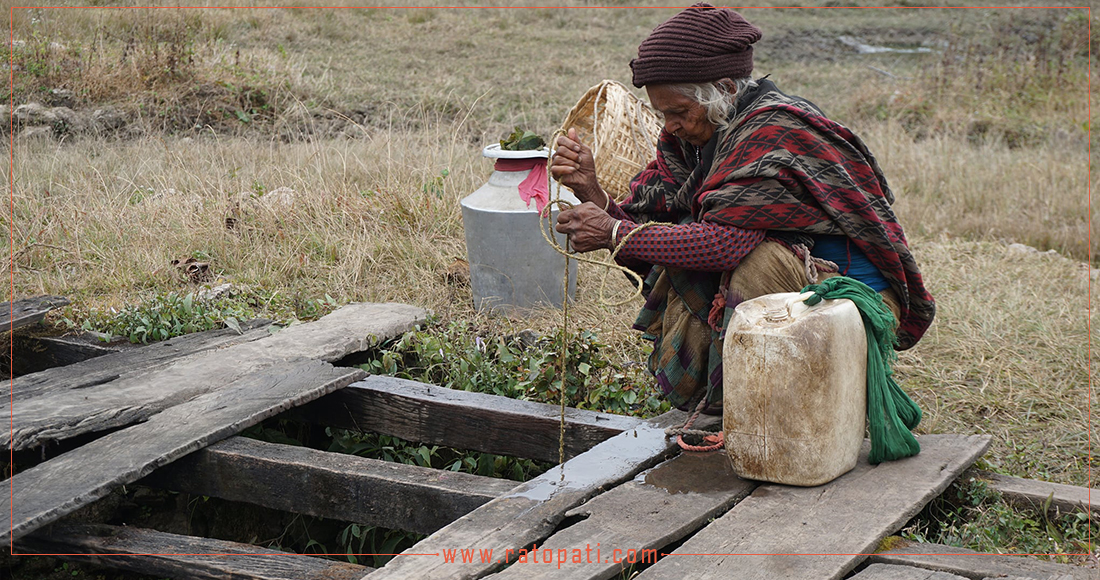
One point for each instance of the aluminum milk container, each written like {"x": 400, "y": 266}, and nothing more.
{"x": 511, "y": 264}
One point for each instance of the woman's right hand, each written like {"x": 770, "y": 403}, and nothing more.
{"x": 572, "y": 163}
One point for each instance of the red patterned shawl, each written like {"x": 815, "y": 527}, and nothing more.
{"x": 784, "y": 166}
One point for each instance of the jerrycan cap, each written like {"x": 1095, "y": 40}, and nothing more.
{"x": 783, "y": 310}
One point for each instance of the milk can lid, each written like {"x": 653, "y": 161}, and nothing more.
{"x": 494, "y": 151}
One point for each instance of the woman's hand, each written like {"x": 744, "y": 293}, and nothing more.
{"x": 588, "y": 227}
{"x": 573, "y": 164}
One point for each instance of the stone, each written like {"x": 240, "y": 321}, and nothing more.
{"x": 68, "y": 121}
{"x": 33, "y": 114}
{"x": 1021, "y": 249}
{"x": 108, "y": 119}
{"x": 36, "y": 134}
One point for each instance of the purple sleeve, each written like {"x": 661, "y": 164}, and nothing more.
{"x": 703, "y": 246}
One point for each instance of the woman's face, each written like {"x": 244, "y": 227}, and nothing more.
{"x": 683, "y": 117}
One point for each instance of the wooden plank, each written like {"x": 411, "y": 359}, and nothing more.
{"x": 1034, "y": 494}
{"x": 57, "y": 487}
{"x": 32, "y": 354}
{"x": 28, "y": 311}
{"x": 633, "y": 521}
{"x": 477, "y": 421}
{"x": 978, "y": 566}
{"x": 330, "y": 485}
{"x": 184, "y": 557}
{"x": 59, "y": 413}
{"x": 532, "y": 511}
{"x": 821, "y": 532}
{"x": 893, "y": 572}
{"x": 131, "y": 360}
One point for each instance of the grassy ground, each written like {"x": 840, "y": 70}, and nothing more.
{"x": 375, "y": 118}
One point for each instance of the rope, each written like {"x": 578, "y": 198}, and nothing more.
{"x": 546, "y": 229}
{"x": 562, "y": 361}
{"x": 715, "y": 438}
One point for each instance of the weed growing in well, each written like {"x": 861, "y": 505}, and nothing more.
{"x": 165, "y": 316}
{"x": 462, "y": 356}
{"x": 973, "y": 515}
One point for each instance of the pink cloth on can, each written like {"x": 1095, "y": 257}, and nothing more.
{"x": 534, "y": 186}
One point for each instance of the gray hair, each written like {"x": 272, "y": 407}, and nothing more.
{"x": 716, "y": 97}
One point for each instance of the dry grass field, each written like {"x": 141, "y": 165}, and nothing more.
{"x": 375, "y": 119}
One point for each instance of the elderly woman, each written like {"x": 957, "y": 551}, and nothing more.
{"x": 767, "y": 193}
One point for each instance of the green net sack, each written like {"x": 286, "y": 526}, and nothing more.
{"x": 891, "y": 414}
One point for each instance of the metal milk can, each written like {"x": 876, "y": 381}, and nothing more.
{"x": 511, "y": 265}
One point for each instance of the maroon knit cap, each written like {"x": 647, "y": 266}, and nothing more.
{"x": 699, "y": 45}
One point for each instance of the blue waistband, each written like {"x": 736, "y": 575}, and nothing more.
{"x": 850, "y": 259}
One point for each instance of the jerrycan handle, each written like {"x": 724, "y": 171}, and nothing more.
{"x": 789, "y": 309}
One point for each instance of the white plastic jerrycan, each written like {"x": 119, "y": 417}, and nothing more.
{"x": 795, "y": 389}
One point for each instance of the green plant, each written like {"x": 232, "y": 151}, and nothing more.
{"x": 165, "y": 316}
{"x": 435, "y": 185}
{"x": 522, "y": 366}
{"x": 973, "y": 515}
{"x": 395, "y": 449}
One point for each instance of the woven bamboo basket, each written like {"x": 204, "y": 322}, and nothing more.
{"x": 621, "y": 130}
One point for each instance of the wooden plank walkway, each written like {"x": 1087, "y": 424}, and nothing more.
{"x": 607, "y": 501}
{"x": 55, "y": 414}
{"x": 1034, "y": 494}
{"x": 823, "y": 532}
{"x": 330, "y": 485}
{"x": 978, "y": 566}
{"x": 639, "y": 517}
{"x": 892, "y": 572}
{"x": 477, "y": 421}
{"x": 531, "y": 512}
{"x": 57, "y": 487}
{"x": 183, "y": 557}
{"x": 28, "y": 311}
{"x": 127, "y": 361}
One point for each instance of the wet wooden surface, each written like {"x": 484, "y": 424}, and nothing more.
{"x": 438, "y": 416}
{"x": 60, "y": 410}
{"x": 162, "y": 555}
{"x": 659, "y": 507}
{"x": 330, "y": 485}
{"x": 532, "y": 511}
{"x": 782, "y": 532}
{"x": 50, "y": 490}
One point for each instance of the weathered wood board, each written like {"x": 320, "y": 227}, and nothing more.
{"x": 532, "y": 511}
{"x": 330, "y": 485}
{"x": 56, "y": 414}
{"x": 823, "y": 532}
{"x": 892, "y": 572}
{"x": 1034, "y": 494}
{"x": 127, "y": 361}
{"x": 977, "y": 566}
{"x": 477, "y": 421}
{"x": 633, "y": 521}
{"x": 28, "y": 311}
{"x": 33, "y": 354}
{"x": 183, "y": 557}
{"x": 52, "y": 489}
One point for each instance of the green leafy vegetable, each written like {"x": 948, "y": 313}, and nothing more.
{"x": 521, "y": 140}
